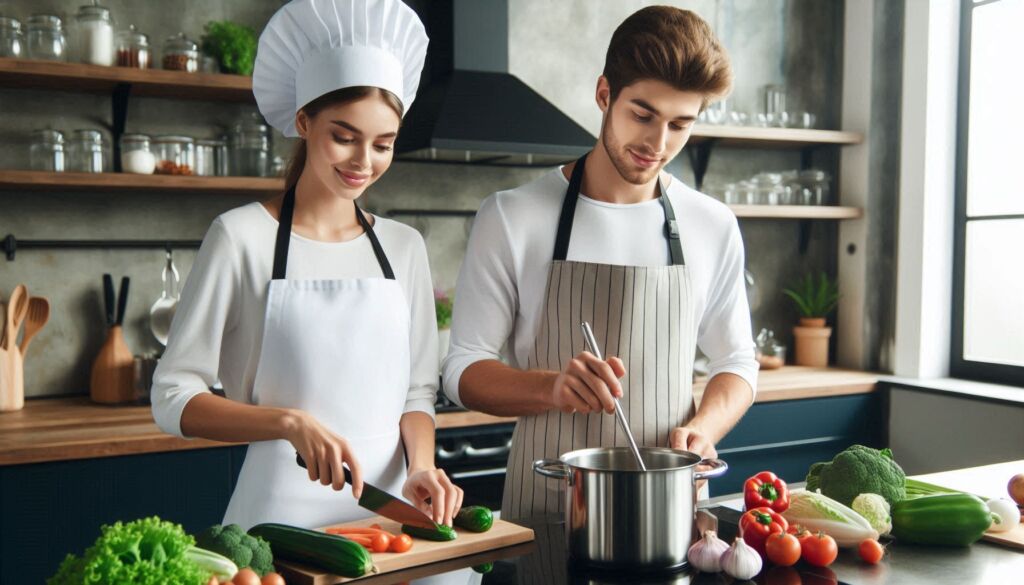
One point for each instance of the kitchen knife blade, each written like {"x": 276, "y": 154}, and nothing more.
{"x": 384, "y": 504}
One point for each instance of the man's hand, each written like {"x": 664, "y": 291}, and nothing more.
{"x": 588, "y": 384}
{"x": 695, "y": 441}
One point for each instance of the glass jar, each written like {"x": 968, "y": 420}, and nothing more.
{"x": 132, "y": 49}
{"x": 768, "y": 188}
{"x": 93, "y": 35}
{"x": 250, "y": 147}
{"x": 46, "y": 152}
{"x": 175, "y": 155}
{"x": 136, "y": 155}
{"x": 86, "y": 151}
{"x": 816, "y": 187}
{"x": 211, "y": 158}
{"x": 44, "y": 38}
{"x": 11, "y": 38}
{"x": 181, "y": 54}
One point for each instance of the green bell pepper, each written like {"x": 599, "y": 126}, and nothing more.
{"x": 943, "y": 519}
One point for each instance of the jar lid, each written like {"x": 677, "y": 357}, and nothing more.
{"x": 813, "y": 174}
{"x": 251, "y": 122}
{"x": 10, "y": 23}
{"x": 48, "y": 135}
{"x": 44, "y": 20}
{"x": 94, "y": 11}
{"x": 134, "y": 137}
{"x": 180, "y": 42}
{"x": 173, "y": 139}
{"x": 210, "y": 142}
{"x": 86, "y": 135}
{"x": 133, "y": 36}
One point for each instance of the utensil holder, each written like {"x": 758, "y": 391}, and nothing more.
{"x": 12, "y": 379}
{"x": 111, "y": 381}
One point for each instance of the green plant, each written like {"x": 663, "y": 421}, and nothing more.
{"x": 443, "y": 307}
{"x": 814, "y": 299}
{"x": 233, "y": 45}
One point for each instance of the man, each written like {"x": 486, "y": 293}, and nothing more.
{"x": 603, "y": 240}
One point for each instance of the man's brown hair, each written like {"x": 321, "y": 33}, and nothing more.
{"x": 671, "y": 45}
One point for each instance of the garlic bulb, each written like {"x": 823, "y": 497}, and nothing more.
{"x": 706, "y": 554}
{"x": 741, "y": 561}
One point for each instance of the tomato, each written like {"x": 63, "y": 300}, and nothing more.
{"x": 871, "y": 551}
{"x": 820, "y": 550}
{"x": 380, "y": 542}
{"x": 783, "y": 549}
{"x": 401, "y": 543}
{"x": 246, "y": 576}
{"x": 273, "y": 579}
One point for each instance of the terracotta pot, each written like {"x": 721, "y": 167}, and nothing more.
{"x": 811, "y": 341}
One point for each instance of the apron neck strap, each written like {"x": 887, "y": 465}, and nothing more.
{"x": 568, "y": 216}
{"x": 284, "y": 233}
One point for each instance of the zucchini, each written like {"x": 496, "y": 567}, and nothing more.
{"x": 330, "y": 552}
{"x": 942, "y": 519}
{"x": 474, "y": 518}
{"x": 441, "y": 533}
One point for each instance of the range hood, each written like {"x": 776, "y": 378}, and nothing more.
{"x": 469, "y": 108}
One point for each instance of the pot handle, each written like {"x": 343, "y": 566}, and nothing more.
{"x": 718, "y": 468}
{"x": 551, "y": 468}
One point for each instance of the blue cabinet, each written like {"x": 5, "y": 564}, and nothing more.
{"x": 788, "y": 436}
{"x": 50, "y": 509}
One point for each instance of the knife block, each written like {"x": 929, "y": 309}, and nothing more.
{"x": 12, "y": 379}
{"x": 111, "y": 379}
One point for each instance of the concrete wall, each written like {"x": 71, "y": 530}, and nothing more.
{"x": 795, "y": 42}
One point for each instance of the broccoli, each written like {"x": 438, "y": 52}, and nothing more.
{"x": 859, "y": 470}
{"x": 242, "y": 548}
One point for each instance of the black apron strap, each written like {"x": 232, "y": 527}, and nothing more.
{"x": 568, "y": 215}
{"x": 284, "y": 233}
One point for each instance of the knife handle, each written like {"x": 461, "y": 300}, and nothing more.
{"x": 302, "y": 464}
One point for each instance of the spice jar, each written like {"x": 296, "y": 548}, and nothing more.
{"x": 250, "y": 147}
{"x": 175, "y": 155}
{"x": 132, "y": 49}
{"x": 136, "y": 156}
{"x": 44, "y": 38}
{"x": 210, "y": 158}
{"x": 86, "y": 151}
{"x": 93, "y": 35}
{"x": 11, "y": 38}
{"x": 181, "y": 54}
{"x": 46, "y": 152}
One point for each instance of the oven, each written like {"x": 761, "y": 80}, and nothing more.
{"x": 474, "y": 458}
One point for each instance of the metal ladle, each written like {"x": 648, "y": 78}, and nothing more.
{"x": 588, "y": 336}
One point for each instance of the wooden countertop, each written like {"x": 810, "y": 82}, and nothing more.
{"x": 60, "y": 429}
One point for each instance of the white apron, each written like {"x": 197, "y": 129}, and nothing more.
{"x": 644, "y": 315}
{"x": 339, "y": 350}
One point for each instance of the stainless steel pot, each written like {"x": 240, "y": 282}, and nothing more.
{"x": 618, "y": 516}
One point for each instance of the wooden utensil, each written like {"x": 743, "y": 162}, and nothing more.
{"x": 12, "y": 368}
{"x": 111, "y": 378}
{"x": 38, "y": 315}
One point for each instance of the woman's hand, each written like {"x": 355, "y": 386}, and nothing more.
{"x": 430, "y": 490}
{"x": 323, "y": 451}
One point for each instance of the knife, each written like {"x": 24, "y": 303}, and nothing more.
{"x": 384, "y": 504}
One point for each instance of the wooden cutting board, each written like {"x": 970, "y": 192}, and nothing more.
{"x": 988, "y": 481}
{"x": 423, "y": 552}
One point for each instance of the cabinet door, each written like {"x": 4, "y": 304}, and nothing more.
{"x": 788, "y": 436}
{"x": 50, "y": 509}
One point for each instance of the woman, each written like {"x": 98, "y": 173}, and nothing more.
{"x": 317, "y": 318}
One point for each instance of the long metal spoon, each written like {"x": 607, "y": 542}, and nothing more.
{"x": 588, "y": 336}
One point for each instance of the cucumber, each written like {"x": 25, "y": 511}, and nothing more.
{"x": 484, "y": 568}
{"x": 330, "y": 552}
{"x": 475, "y": 518}
{"x": 441, "y": 533}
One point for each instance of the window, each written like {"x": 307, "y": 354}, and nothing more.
{"x": 988, "y": 303}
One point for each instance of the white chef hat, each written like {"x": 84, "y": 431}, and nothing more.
{"x": 313, "y": 47}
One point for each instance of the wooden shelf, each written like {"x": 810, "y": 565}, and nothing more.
{"x": 796, "y": 211}
{"x": 753, "y": 137}
{"x": 44, "y": 180}
{"x": 34, "y": 74}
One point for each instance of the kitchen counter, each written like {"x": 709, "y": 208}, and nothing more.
{"x": 58, "y": 429}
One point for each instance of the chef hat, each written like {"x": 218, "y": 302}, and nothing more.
{"x": 313, "y": 47}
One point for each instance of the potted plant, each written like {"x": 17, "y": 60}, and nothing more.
{"x": 443, "y": 309}
{"x": 815, "y": 299}
{"x": 232, "y": 45}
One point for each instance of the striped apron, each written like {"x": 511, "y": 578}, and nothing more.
{"x": 642, "y": 314}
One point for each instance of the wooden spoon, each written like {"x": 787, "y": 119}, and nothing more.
{"x": 38, "y": 315}
{"x": 17, "y": 306}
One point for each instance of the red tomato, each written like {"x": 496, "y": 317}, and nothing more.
{"x": 401, "y": 543}
{"x": 246, "y": 576}
{"x": 380, "y": 542}
{"x": 820, "y": 550}
{"x": 273, "y": 579}
{"x": 870, "y": 551}
{"x": 783, "y": 549}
